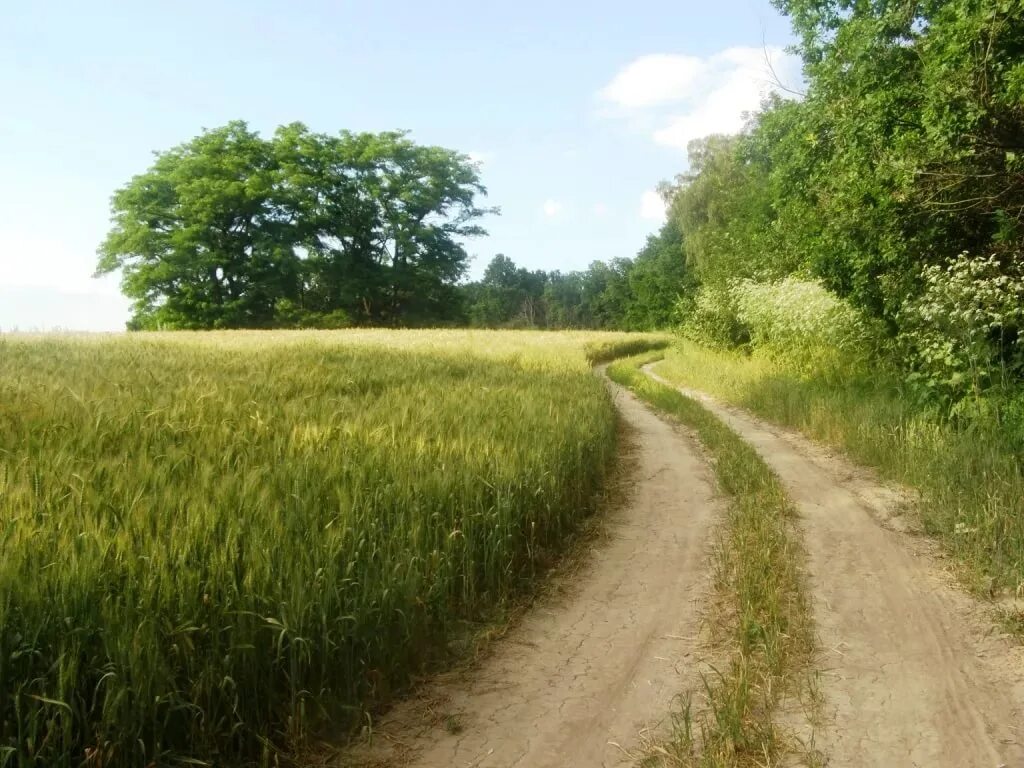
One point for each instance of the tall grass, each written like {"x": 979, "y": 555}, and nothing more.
{"x": 213, "y": 544}
{"x": 970, "y": 477}
{"x": 762, "y": 615}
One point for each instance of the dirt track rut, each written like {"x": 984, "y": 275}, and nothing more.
{"x": 581, "y": 676}
{"x": 913, "y": 673}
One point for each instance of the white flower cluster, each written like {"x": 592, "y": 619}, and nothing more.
{"x": 798, "y": 322}
{"x": 961, "y": 333}
{"x": 791, "y": 314}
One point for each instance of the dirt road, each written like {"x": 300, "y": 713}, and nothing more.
{"x": 580, "y": 677}
{"x": 913, "y": 673}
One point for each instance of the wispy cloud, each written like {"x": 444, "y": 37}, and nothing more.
{"x": 688, "y": 97}
{"x": 655, "y": 79}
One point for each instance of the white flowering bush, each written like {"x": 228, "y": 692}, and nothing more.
{"x": 804, "y": 325}
{"x": 962, "y": 333}
{"x": 711, "y": 319}
{"x": 797, "y": 322}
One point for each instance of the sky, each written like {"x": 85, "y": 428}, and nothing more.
{"x": 574, "y": 110}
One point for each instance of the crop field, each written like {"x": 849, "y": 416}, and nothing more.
{"x": 213, "y": 545}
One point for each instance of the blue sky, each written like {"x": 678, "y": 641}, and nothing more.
{"x": 575, "y": 110}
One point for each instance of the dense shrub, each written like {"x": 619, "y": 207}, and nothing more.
{"x": 797, "y": 322}
{"x": 803, "y": 324}
{"x": 711, "y": 319}
{"x": 961, "y": 335}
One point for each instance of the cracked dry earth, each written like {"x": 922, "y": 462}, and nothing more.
{"x": 913, "y": 672}
{"x": 582, "y": 676}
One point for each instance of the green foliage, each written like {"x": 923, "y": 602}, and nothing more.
{"x": 722, "y": 211}
{"x": 962, "y": 334}
{"x": 213, "y": 544}
{"x": 797, "y": 322}
{"x": 904, "y": 151}
{"x": 639, "y": 294}
{"x": 507, "y": 296}
{"x": 711, "y": 318}
{"x": 657, "y": 278}
{"x": 516, "y": 297}
{"x": 288, "y": 314}
{"x": 223, "y": 229}
{"x": 307, "y": 230}
{"x": 802, "y": 324}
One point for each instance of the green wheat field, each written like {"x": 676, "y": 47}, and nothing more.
{"x": 216, "y": 544}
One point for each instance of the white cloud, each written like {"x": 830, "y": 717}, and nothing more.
{"x": 655, "y": 79}
{"x": 714, "y": 99}
{"x": 600, "y": 209}
{"x": 552, "y": 208}
{"x": 652, "y": 206}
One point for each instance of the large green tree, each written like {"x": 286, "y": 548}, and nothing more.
{"x": 231, "y": 230}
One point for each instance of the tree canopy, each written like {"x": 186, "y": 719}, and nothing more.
{"x": 904, "y": 151}
{"x": 232, "y": 230}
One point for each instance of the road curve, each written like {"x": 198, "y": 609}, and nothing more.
{"x": 580, "y": 676}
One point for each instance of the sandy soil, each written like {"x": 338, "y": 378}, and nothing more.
{"x": 583, "y": 676}
{"x": 913, "y": 671}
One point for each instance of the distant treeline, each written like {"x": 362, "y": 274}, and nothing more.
{"x": 623, "y": 294}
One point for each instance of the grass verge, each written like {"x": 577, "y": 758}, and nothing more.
{"x": 970, "y": 479}
{"x": 762, "y": 615}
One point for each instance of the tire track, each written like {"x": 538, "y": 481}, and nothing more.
{"x": 913, "y": 673}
